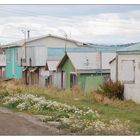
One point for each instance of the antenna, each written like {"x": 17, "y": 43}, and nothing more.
{"x": 66, "y": 36}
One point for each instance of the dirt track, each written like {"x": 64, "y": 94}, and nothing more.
{"x": 12, "y": 123}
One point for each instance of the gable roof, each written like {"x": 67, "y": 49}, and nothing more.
{"x": 22, "y": 42}
{"x": 51, "y": 65}
{"x": 132, "y": 48}
{"x": 54, "y": 36}
{"x": 14, "y": 44}
{"x": 112, "y": 60}
{"x": 88, "y": 60}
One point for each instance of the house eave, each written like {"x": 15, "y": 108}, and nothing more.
{"x": 129, "y": 52}
{"x": 94, "y": 71}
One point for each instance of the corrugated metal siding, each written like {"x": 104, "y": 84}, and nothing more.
{"x": 43, "y": 74}
{"x": 91, "y": 60}
{"x": 2, "y": 60}
{"x": 56, "y": 79}
{"x": 59, "y": 52}
{"x": 12, "y": 68}
{"x": 67, "y": 68}
{"x": 21, "y": 55}
{"x": 38, "y": 56}
{"x": 30, "y": 54}
{"x": 106, "y": 58}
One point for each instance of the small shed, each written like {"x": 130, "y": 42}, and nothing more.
{"x": 54, "y": 77}
{"x": 126, "y": 68}
{"x": 85, "y": 70}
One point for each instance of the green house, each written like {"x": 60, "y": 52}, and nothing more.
{"x": 13, "y": 70}
{"x": 83, "y": 70}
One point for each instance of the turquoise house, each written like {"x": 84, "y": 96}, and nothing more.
{"x": 13, "y": 70}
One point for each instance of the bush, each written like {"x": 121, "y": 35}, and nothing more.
{"x": 112, "y": 89}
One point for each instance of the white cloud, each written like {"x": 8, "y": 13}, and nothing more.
{"x": 112, "y": 28}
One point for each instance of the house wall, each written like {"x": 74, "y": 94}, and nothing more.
{"x": 43, "y": 74}
{"x": 67, "y": 68}
{"x": 37, "y": 48}
{"x": 89, "y": 82}
{"x": 113, "y": 70}
{"x": 38, "y": 55}
{"x": 56, "y": 79}
{"x": 12, "y": 68}
{"x": 2, "y": 73}
{"x": 132, "y": 89}
{"x": 2, "y": 60}
{"x": 86, "y": 82}
{"x": 106, "y": 58}
{"x": 51, "y": 42}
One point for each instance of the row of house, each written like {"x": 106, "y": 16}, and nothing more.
{"x": 57, "y": 61}
{"x": 65, "y": 63}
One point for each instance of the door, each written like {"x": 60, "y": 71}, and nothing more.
{"x": 73, "y": 80}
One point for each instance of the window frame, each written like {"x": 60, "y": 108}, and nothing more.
{"x": 130, "y": 81}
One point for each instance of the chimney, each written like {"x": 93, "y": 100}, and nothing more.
{"x": 28, "y": 33}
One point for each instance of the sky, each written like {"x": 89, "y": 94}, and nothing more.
{"x": 99, "y": 24}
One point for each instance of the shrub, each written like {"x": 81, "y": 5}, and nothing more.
{"x": 112, "y": 89}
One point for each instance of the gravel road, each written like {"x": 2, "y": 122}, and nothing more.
{"x": 15, "y": 123}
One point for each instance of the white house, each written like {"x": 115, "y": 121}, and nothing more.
{"x": 126, "y": 68}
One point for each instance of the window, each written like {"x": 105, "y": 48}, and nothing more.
{"x": 128, "y": 71}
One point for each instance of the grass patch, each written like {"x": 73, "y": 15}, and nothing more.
{"x": 109, "y": 109}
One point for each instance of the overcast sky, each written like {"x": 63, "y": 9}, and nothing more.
{"x": 102, "y": 24}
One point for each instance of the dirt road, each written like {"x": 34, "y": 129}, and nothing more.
{"x": 12, "y": 123}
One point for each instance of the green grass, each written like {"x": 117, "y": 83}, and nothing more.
{"x": 109, "y": 109}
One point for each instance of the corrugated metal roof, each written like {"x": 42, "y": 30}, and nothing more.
{"x": 90, "y": 60}
{"x": 82, "y": 61}
{"x": 13, "y": 44}
{"x": 52, "y": 64}
{"x": 21, "y": 42}
{"x": 132, "y": 48}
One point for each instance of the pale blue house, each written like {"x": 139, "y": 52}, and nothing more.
{"x": 13, "y": 70}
